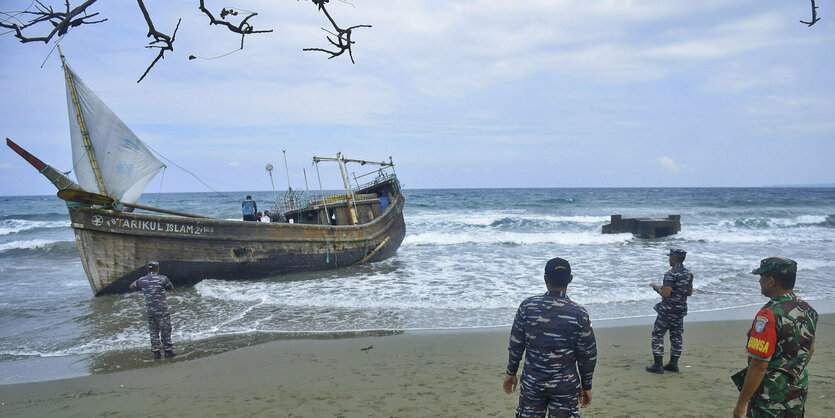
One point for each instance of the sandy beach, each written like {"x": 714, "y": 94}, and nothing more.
{"x": 416, "y": 374}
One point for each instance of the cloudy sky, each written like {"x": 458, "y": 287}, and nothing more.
{"x": 460, "y": 93}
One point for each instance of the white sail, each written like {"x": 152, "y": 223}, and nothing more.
{"x": 125, "y": 163}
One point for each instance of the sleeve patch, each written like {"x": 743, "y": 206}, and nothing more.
{"x": 763, "y": 335}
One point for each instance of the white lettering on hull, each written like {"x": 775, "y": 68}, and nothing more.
{"x": 140, "y": 225}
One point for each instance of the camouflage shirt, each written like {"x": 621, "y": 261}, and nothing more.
{"x": 153, "y": 286}
{"x": 783, "y": 334}
{"x": 680, "y": 280}
{"x": 557, "y": 335}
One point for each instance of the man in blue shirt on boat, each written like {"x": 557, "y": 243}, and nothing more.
{"x": 153, "y": 286}
{"x": 248, "y": 208}
{"x": 677, "y": 286}
{"x": 556, "y": 336}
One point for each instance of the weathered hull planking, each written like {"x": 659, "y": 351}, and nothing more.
{"x": 115, "y": 246}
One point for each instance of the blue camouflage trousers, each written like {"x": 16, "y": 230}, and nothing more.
{"x": 160, "y": 324}
{"x": 664, "y": 323}
{"x": 533, "y": 404}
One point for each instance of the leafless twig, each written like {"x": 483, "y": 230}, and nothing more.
{"x": 243, "y": 28}
{"x": 815, "y": 17}
{"x": 61, "y": 21}
{"x": 343, "y": 36}
{"x": 167, "y": 42}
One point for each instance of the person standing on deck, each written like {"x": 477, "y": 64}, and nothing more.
{"x": 677, "y": 286}
{"x": 556, "y": 335}
{"x": 153, "y": 286}
{"x": 249, "y": 207}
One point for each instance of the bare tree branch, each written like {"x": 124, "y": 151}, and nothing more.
{"x": 159, "y": 38}
{"x": 815, "y": 17}
{"x": 243, "y": 28}
{"x": 61, "y": 21}
{"x": 343, "y": 36}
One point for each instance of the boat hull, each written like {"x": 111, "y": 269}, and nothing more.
{"x": 115, "y": 246}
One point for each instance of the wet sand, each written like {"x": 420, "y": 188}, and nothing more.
{"x": 443, "y": 374}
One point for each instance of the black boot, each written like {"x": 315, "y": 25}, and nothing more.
{"x": 657, "y": 366}
{"x": 672, "y": 365}
{"x": 157, "y": 356}
{"x": 169, "y": 353}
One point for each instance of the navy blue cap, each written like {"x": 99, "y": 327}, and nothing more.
{"x": 557, "y": 268}
{"x": 152, "y": 265}
{"x": 678, "y": 253}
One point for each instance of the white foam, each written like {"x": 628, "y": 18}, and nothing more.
{"x": 27, "y": 244}
{"x": 772, "y": 222}
{"x": 13, "y": 226}
{"x": 488, "y": 218}
{"x": 499, "y": 237}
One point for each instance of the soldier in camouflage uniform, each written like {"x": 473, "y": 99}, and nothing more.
{"x": 781, "y": 342}
{"x": 556, "y": 333}
{"x": 677, "y": 286}
{"x": 153, "y": 286}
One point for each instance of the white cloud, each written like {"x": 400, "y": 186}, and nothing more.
{"x": 669, "y": 164}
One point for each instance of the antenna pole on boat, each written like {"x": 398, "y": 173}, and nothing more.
{"x": 306, "y": 188}
{"x": 85, "y": 135}
{"x": 269, "y": 168}
{"x": 348, "y": 199}
{"x": 287, "y": 170}
{"x": 324, "y": 201}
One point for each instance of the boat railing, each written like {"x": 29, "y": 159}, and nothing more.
{"x": 377, "y": 180}
{"x": 300, "y": 200}
{"x": 291, "y": 200}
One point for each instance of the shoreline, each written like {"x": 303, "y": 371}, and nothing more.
{"x": 45, "y": 369}
{"x": 453, "y": 373}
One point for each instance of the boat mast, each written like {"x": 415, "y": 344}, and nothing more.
{"x": 85, "y": 135}
{"x": 321, "y": 190}
{"x": 287, "y": 170}
{"x": 348, "y": 199}
{"x": 341, "y": 161}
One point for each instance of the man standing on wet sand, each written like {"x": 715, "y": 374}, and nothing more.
{"x": 153, "y": 286}
{"x": 556, "y": 336}
{"x": 781, "y": 342}
{"x": 677, "y": 286}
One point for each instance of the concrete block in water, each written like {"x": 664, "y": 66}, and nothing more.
{"x": 644, "y": 227}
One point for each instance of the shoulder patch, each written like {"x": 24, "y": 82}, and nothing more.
{"x": 763, "y": 337}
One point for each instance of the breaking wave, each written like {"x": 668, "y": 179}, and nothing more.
{"x": 515, "y": 238}
{"x": 767, "y": 223}
{"x": 17, "y": 225}
{"x": 38, "y": 247}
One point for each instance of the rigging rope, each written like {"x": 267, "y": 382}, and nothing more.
{"x": 160, "y": 185}
{"x": 181, "y": 168}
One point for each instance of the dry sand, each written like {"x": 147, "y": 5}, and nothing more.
{"x": 443, "y": 374}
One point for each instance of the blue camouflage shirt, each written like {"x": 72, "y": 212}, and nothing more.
{"x": 153, "y": 286}
{"x": 557, "y": 335}
{"x": 680, "y": 280}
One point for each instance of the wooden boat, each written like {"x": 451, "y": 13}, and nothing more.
{"x": 113, "y": 167}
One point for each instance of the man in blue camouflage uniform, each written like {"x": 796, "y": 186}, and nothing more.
{"x": 677, "y": 286}
{"x": 153, "y": 286}
{"x": 781, "y": 342}
{"x": 556, "y": 336}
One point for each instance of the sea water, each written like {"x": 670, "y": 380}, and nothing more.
{"x": 469, "y": 257}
